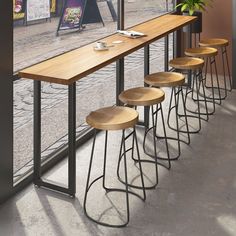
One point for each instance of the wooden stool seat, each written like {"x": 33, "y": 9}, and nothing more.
{"x": 201, "y": 52}
{"x": 187, "y": 63}
{"x": 113, "y": 118}
{"x": 214, "y": 42}
{"x": 142, "y": 96}
{"x": 165, "y": 79}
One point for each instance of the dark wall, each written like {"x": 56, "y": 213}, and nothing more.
{"x": 217, "y": 23}
{"x": 6, "y": 99}
{"x": 234, "y": 43}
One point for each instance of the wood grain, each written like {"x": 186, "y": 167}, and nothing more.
{"x": 164, "y": 79}
{"x": 187, "y": 63}
{"x": 142, "y": 96}
{"x": 113, "y": 118}
{"x": 214, "y": 42}
{"x": 203, "y": 52}
{"x": 76, "y": 64}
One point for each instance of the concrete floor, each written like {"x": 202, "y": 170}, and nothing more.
{"x": 195, "y": 198}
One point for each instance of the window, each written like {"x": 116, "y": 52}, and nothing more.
{"x": 38, "y": 40}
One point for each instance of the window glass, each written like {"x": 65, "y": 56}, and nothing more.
{"x": 36, "y": 38}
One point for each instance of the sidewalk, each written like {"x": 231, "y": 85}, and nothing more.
{"x": 38, "y": 42}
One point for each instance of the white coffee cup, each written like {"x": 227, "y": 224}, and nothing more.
{"x": 101, "y": 44}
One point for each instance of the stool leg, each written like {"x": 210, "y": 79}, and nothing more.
{"x": 212, "y": 88}
{"x": 224, "y": 70}
{"x": 104, "y": 163}
{"x": 229, "y": 74}
{"x": 204, "y": 95}
{"x": 198, "y": 113}
{"x": 219, "y": 98}
{"x": 185, "y": 115}
{"x": 138, "y": 160}
{"x": 177, "y": 123}
{"x": 154, "y": 123}
{"x": 126, "y": 177}
{"x": 165, "y": 137}
{"x": 198, "y": 103}
{"x": 140, "y": 166}
{"x": 88, "y": 177}
{"x": 181, "y": 93}
{"x": 170, "y": 108}
{"x": 217, "y": 79}
{"x": 155, "y": 136}
{"x": 125, "y": 183}
{"x": 176, "y": 106}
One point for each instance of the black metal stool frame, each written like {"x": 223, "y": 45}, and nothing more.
{"x": 225, "y": 53}
{"x": 198, "y": 79}
{"x": 137, "y": 161}
{"x": 155, "y": 157}
{"x": 212, "y": 61}
{"x": 225, "y": 63}
{"x": 176, "y": 92}
{"x": 154, "y": 115}
{"x": 126, "y": 190}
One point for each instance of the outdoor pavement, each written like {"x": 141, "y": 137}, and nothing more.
{"x": 38, "y": 42}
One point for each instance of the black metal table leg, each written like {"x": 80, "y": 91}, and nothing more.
{"x": 71, "y": 146}
{"x": 37, "y": 132}
{"x": 72, "y": 139}
{"x": 146, "y": 72}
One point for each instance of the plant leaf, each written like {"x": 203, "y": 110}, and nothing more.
{"x": 184, "y": 7}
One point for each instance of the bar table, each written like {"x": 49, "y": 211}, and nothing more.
{"x": 70, "y": 67}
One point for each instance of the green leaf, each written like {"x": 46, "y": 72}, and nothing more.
{"x": 191, "y": 11}
{"x": 194, "y": 5}
{"x": 184, "y": 7}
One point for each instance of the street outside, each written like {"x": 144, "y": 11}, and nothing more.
{"x": 38, "y": 42}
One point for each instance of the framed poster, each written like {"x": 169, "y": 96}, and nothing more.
{"x": 72, "y": 15}
{"x": 36, "y": 10}
{"x": 18, "y": 9}
{"x": 53, "y": 6}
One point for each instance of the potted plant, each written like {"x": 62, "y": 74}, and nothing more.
{"x": 194, "y": 8}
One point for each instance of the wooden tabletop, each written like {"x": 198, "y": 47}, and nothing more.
{"x": 76, "y": 64}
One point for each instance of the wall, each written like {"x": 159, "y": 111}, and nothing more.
{"x": 6, "y": 100}
{"x": 217, "y": 23}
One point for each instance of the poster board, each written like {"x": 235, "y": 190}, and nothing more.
{"x": 72, "y": 15}
{"x": 37, "y": 10}
{"x": 78, "y": 12}
{"x": 19, "y": 7}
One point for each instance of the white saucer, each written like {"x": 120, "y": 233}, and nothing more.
{"x": 100, "y": 49}
{"x": 117, "y": 42}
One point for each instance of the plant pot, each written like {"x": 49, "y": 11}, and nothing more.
{"x": 196, "y": 27}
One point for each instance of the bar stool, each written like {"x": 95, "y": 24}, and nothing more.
{"x": 193, "y": 65}
{"x": 222, "y": 44}
{"x": 209, "y": 56}
{"x": 108, "y": 119}
{"x": 174, "y": 81}
{"x": 150, "y": 97}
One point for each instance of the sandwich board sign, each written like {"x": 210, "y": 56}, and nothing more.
{"x": 37, "y": 10}
{"x": 78, "y": 12}
{"x": 72, "y": 15}
{"x": 92, "y": 13}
